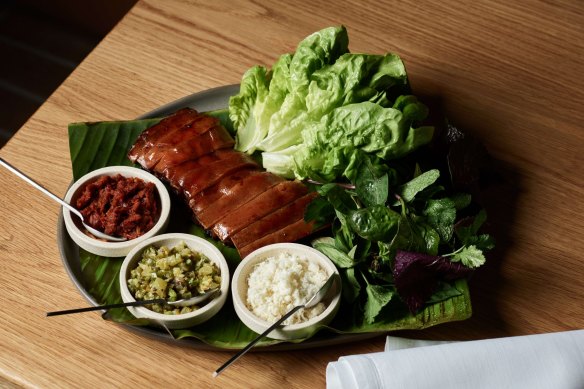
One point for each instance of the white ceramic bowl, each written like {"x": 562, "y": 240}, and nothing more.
{"x": 114, "y": 249}
{"x": 294, "y": 331}
{"x": 184, "y": 320}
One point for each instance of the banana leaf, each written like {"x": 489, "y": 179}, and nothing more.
{"x": 99, "y": 144}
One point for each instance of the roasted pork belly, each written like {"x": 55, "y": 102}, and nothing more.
{"x": 273, "y": 222}
{"x": 199, "y": 179}
{"x": 204, "y": 199}
{"x": 216, "y": 139}
{"x": 264, "y": 204}
{"x": 246, "y": 190}
{"x": 226, "y": 190}
{"x": 175, "y": 174}
{"x": 202, "y": 135}
{"x": 291, "y": 233}
{"x": 166, "y": 126}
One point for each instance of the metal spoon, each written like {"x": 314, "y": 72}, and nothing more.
{"x": 179, "y": 303}
{"x": 29, "y": 180}
{"x": 322, "y": 292}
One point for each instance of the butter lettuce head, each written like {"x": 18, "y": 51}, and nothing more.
{"x": 278, "y": 95}
{"x": 320, "y": 107}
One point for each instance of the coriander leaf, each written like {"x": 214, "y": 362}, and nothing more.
{"x": 410, "y": 189}
{"x": 441, "y": 214}
{"x": 470, "y": 256}
{"x": 377, "y": 297}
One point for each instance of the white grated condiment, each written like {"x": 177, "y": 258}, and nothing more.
{"x": 279, "y": 283}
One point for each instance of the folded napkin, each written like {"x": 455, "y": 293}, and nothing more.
{"x": 553, "y": 360}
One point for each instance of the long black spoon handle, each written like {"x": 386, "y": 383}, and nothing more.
{"x": 253, "y": 342}
{"x": 108, "y": 306}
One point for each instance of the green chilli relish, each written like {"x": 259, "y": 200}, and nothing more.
{"x": 172, "y": 274}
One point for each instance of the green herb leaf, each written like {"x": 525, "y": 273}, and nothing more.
{"x": 441, "y": 215}
{"x": 430, "y": 236}
{"x": 339, "y": 198}
{"x": 351, "y": 287}
{"x": 377, "y": 223}
{"x": 327, "y": 247}
{"x": 377, "y": 297}
{"x": 372, "y": 185}
{"x": 320, "y": 211}
{"x": 470, "y": 256}
{"x": 410, "y": 189}
{"x": 466, "y": 233}
{"x": 344, "y": 236}
{"x": 461, "y": 200}
{"x": 482, "y": 242}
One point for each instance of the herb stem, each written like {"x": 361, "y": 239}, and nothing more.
{"x": 342, "y": 185}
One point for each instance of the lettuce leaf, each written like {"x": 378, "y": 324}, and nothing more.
{"x": 333, "y": 147}
{"x": 280, "y": 111}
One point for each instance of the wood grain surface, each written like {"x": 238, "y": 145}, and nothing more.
{"x": 510, "y": 72}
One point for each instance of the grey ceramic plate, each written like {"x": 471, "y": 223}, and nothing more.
{"x": 209, "y": 100}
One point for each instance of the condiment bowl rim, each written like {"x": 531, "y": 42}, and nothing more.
{"x": 194, "y": 243}
{"x": 257, "y": 256}
{"x": 97, "y": 246}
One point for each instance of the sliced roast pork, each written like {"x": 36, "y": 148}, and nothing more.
{"x": 264, "y": 204}
{"x": 150, "y": 136}
{"x": 273, "y": 222}
{"x": 205, "y": 198}
{"x": 216, "y": 139}
{"x": 246, "y": 190}
{"x": 199, "y": 179}
{"x": 291, "y": 233}
{"x": 227, "y": 191}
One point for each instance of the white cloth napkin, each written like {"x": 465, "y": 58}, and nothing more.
{"x": 554, "y": 361}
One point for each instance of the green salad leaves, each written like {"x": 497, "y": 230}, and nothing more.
{"x": 402, "y": 230}
{"x": 316, "y": 109}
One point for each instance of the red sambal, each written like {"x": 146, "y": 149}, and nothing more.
{"x": 119, "y": 206}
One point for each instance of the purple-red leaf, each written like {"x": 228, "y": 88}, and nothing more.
{"x": 416, "y": 276}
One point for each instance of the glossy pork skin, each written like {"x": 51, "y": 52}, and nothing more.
{"x": 150, "y": 137}
{"x": 226, "y": 190}
{"x": 245, "y": 191}
{"x": 273, "y": 222}
{"x": 264, "y": 204}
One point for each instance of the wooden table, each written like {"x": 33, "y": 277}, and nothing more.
{"x": 511, "y": 72}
